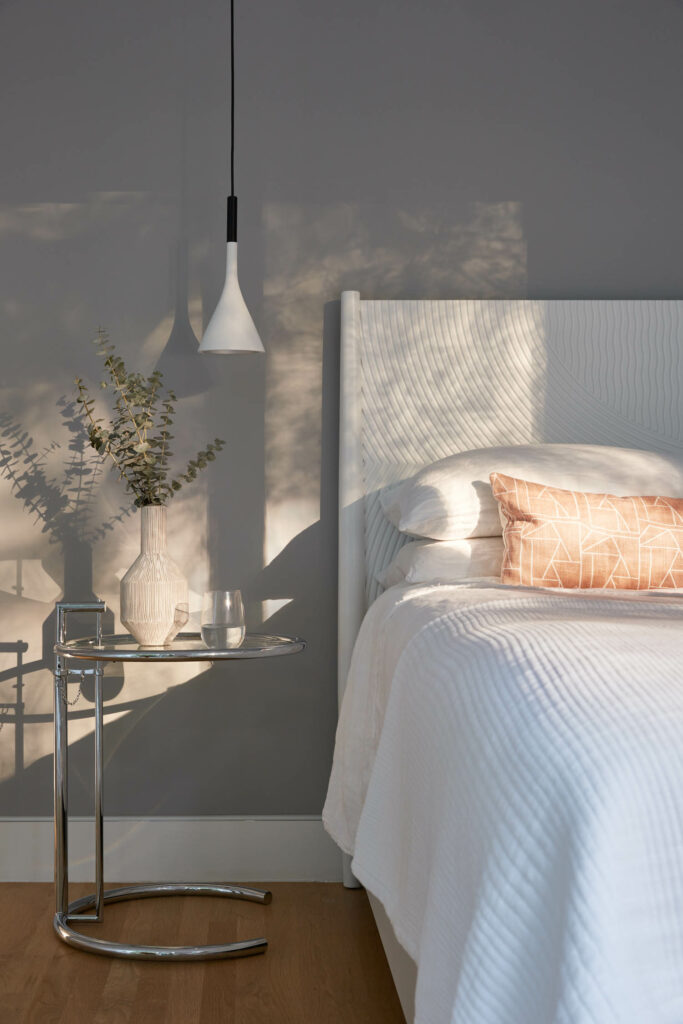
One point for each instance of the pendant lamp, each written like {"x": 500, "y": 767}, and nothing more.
{"x": 231, "y": 328}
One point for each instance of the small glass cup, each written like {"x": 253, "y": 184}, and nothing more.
{"x": 223, "y": 619}
{"x": 181, "y": 617}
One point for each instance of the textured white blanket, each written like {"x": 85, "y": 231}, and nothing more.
{"x": 509, "y": 776}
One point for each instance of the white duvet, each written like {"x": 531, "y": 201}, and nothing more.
{"x": 508, "y": 775}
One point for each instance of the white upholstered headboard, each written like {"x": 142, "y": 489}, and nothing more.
{"x": 422, "y": 379}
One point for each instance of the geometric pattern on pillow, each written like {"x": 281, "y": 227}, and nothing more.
{"x": 560, "y": 538}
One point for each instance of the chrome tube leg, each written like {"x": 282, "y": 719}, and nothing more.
{"x": 99, "y": 820}
{"x": 61, "y": 776}
{"x": 61, "y": 794}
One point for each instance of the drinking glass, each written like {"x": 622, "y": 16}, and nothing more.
{"x": 223, "y": 619}
{"x": 181, "y": 617}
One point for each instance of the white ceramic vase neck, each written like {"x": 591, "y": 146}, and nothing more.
{"x": 153, "y": 529}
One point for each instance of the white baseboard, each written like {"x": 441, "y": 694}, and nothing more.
{"x": 238, "y": 849}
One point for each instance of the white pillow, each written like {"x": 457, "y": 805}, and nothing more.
{"x": 452, "y": 498}
{"x": 444, "y": 561}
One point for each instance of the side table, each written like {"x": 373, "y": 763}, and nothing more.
{"x": 122, "y": 647}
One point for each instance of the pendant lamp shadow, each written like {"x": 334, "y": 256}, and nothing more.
{"x": 231, "y": 328}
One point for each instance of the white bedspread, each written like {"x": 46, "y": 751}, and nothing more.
{"x": 508, "y": 774}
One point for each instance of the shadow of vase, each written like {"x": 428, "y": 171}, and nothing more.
{"x": 78, "y": 587}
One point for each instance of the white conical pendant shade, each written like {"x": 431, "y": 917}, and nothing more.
{"x": 231, "y": 328}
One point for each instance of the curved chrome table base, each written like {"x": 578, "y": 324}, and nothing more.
{"x": 100, "y": 649}
{"x": 124, "y": 950}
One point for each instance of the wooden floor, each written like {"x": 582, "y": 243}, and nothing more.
{"x": 324, "y": 963}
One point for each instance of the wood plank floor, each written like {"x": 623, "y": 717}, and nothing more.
{"x": 325, "y": 963}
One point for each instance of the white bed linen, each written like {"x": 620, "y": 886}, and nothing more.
{"x": 508, "y": 775}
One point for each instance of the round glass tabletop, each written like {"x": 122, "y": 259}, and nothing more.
{"x": 185, "y": 647}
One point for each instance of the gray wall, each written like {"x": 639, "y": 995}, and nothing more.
{"x": 442, "y": 149}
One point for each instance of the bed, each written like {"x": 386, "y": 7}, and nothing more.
{"x": 507, "y": 759}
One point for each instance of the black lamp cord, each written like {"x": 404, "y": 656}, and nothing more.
{"x": 232, "y": 198}
{"x": 232, "y": 97}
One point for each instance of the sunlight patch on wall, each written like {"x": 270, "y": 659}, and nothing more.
{"x": 56, "y": 222}
{"x": 273, "y": 605}
{"x": 313, "y": 254}
{"x": 26, "y": 577}
{"x": 119, "y": 260}
{"x": 68, "y": 526}
{"x": 285, "y": 520}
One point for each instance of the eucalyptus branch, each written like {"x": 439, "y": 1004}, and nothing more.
{"x": 112, "y": 370}
{"x": 139, "y": 403}
{"x": 157, "y": 377}
{"x": 82, "y": 391}
{"x": 168, "y": 412}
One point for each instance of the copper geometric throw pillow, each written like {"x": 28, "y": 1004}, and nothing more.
{"x": 558, "y": 538}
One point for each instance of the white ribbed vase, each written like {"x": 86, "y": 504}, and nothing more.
{"x": 154, "y": 586}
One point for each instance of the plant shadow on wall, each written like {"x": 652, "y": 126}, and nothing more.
{"x": 59, "y": 495}
{"x": 158, "y": 756}
{"x": 60, "y": 498}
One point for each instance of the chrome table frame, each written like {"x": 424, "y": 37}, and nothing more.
{"x": 123, "y": 648}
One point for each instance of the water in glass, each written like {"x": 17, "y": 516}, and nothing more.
{"x": 223, "y": 619}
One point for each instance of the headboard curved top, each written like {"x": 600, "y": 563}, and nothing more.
{"x": 422, "y": 379}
